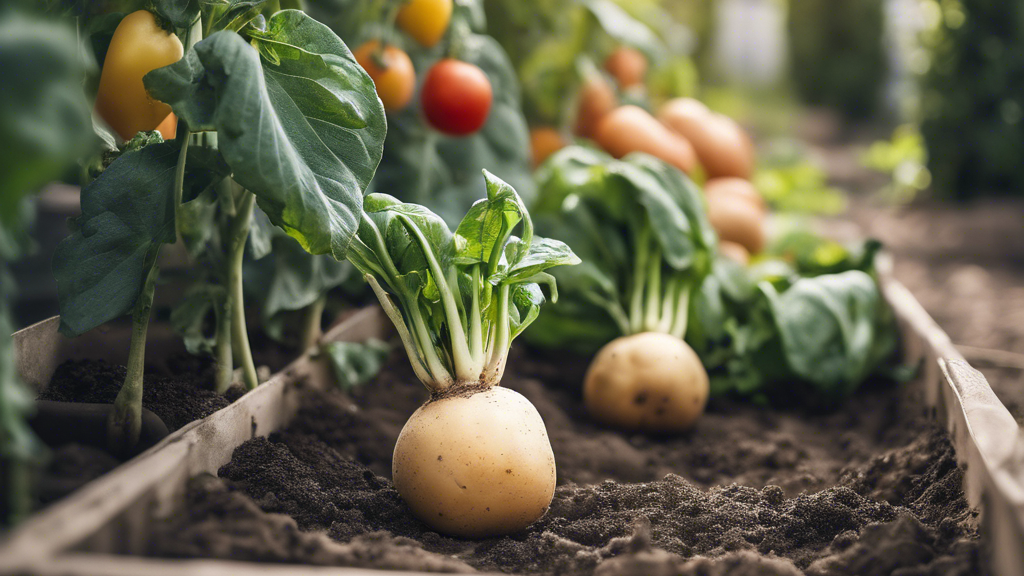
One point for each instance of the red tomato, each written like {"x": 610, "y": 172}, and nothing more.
{"x": 456, "y": 97}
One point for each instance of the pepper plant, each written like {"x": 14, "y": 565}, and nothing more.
{"x": 274, "y": 113}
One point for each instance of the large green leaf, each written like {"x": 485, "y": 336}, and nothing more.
{"x": 483, "y": 232}
{"x": 127, "y": 212}
{"x": 297, "y": 119}
{"x": 45, "y": 118}
{"x": 423, "y": 166}
{"x": 290, "y": 279}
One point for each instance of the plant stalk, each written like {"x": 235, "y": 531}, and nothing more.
{"x": 311, "y": 318}
{"x": 238, "y": 234}
{"x": 179, "y": 182}
{"x": 125, "y": 421}
{"x": 224, "y": 357}
{"x": 636, "y": 308}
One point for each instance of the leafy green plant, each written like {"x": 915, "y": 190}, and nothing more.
{"x": 903, "y": 158}
{"x": 805, "y": 325}
{"x": 461, "y": 298}
{"x": 273, "y": 112}
{"x": 356, "y": 363}
{"x": 458, "y": 300}
{"x": 640, "y": 228}
{"x": 790, "y": 181}
{"x": 45, "y": 121}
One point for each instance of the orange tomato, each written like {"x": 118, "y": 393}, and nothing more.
{"x": 394, "y": 78}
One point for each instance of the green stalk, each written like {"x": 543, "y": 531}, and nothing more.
{"x": 682, "y": 312}
{"x": 466, "y": 370}
{"x": 500, "y": 339}
{"x": 179, "y": 182}
{"x": 238, "y": 234}
{"x": 411, "y": 349}
{"x": 653, "y": 303}
{"x": 639, "y": 276}
{"x": 125, "y": 421}
{"x": 311, "y": 318}
{"x": 476, "y": 338}
{"x": 668, "y": 303}
{"x": 224, "y": 357}
{"x": 17, "y": 489}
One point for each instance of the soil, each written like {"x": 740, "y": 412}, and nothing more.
{"x": 869, "y": 489}
{"x": 177, "y": 397}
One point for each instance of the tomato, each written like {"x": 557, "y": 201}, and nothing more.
{"x": 137, "y": 47}
{"x": 456, "y": 97}
{"x": 545, "y": 141}
{"x": 627, "y": 65}
{"x": 596, "y": 100}
{"x": 632, "y": 129}
{"x": 396, "y": 80}
{"x": 723, "y": 147}
{"x": 425, "y": 20}
{"x": 168, "y": 129}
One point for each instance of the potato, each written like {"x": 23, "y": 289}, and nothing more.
{"x": 734, "y": 252}
{"x": 476, "y": 464}
{"x": 596, "y": 100}
{"x": 737, "y": 220}
{"x": 632, "y": 129}
{"x": 722, "y": 147}
{"x": 735, "y": 187}
{"x": 648, "y": 381}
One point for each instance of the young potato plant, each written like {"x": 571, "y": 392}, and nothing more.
{"x": 475, "y": 460}
{"x": 45, "y": 125}
{"x": 805, "y": 326}
{"x": 639, "y": 225}
{"x": 274, "y": 113}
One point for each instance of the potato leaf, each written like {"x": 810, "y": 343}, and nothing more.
{"x": 297, "y": 119}
{"x": 127, "y": 213}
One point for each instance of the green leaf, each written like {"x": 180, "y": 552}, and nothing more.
{"x": 356, "y": 363}
{"x": 180, "y": 13}
{"x": 290, "y": 279}
{"x": 543, "y": 253}
{"x": 827, "y": 328}
{"x": 194, "y": 317}
{"x": 45, "y": 118}
{"x": 17, "y": 441}
{"x": 483, "y": 232}
{"x": 618, "y": 24}
{"x": 127, "y": 212}
{"x": 297, "y": 119}
{"x": 423, "y": 166}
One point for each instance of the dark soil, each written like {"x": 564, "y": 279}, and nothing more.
{"x": 178, "y": 397}
{"x": 870, "y": 489}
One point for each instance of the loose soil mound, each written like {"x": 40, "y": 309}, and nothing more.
{"x": 865, "y": 490}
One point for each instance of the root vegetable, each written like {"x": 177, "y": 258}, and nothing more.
{"x": 596, "y": 100}
{"x": 648, "y": 381}
{"x": 627, "y": 65}
{"x": 737, "y": 220}
{"x": 722, "y": 146}
{"x": 737, "y": 187}
{"x": 632, "y": 129}
{"x": 476, "y": 463}
{"x": 734, "y": 252}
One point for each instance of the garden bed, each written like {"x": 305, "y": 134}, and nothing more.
{"x": 891, "y": 487}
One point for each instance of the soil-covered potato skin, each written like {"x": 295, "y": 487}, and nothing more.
{"x": 867, "y": 489}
